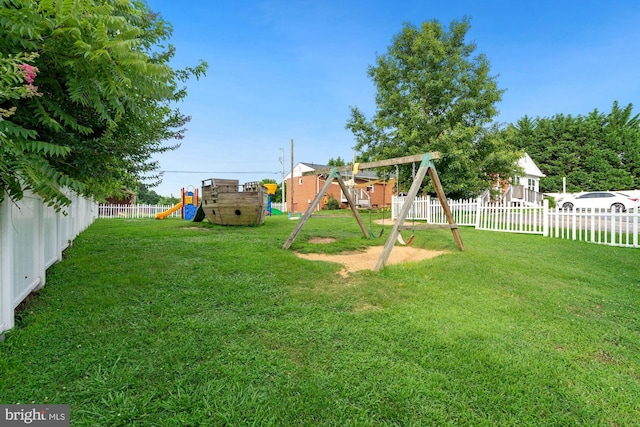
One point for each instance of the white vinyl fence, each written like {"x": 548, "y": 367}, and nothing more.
{"x": 32, "y": 238}
{"x": 135, "y": 211}
{"x": 429, "y": 209}
{"x": 593, "y": 226}
{"x": 598, "y": 226}
{"x": 282, "y": 207}
{"x": 149, "y": 211}
{"x": 514, "y": 219}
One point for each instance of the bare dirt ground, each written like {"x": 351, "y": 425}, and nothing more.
{"x": 355, "y": 261}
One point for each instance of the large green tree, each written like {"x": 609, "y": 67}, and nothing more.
{"x": 433, "y": 94}
{"x": 594, "y": 152}
{"x": 104, "y": 98}
{"x": 336, "y": 162}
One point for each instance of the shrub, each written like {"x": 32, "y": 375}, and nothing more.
{"x": 332, "y": 203}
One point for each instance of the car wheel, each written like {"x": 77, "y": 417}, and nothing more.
{"x": 567, "y": 206}
{"x": 618, "y": 207}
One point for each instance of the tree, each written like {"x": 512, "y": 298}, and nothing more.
{"x": 20, "y": 155}
{"x": 594, "y": 152}
{"x": 336, "y": 162}
{"x": 277, "y": 196}
{"x": 433, "y": 95}
{"x": 168, "y": 200}
{"x": 145, "y": 196}
{"x": 106, "y": 96}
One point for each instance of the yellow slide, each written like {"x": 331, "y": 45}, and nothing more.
{"x": 163, "y": 215}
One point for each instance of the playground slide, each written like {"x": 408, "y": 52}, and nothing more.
{"x": 163, "y": 215}
{"x": 199, "y": 216}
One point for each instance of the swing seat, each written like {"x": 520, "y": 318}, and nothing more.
{"x": 374, "y": 234}
{"x": 408, "y": 242}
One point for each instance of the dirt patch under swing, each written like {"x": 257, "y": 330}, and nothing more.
{"x": 322, "y": 240}
{"x": 355, "y": 261}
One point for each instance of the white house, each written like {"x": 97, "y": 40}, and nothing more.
{"x": 521, "y": 190}
{"x": 525, "y": 190}
{"x": 532, "y": 174}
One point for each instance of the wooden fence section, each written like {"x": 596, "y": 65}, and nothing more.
{"x": 593, "y": 226}
{"x": 135, "y": 211}
{"x": 32, "y": 238}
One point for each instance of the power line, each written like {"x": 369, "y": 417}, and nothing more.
{"x": 221, "y": 172}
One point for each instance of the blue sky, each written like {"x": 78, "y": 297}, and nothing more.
{"x": 285, "y": 69}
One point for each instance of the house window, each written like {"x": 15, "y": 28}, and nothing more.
{"x": 300, "y": 181}
{"x": 531, "y": 184}
{"x": 370, "y": 188}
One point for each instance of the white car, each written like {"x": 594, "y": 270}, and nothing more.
{"x": 613, "y": 200}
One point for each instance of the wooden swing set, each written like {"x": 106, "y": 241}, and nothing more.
{"x": 426, "y": 167}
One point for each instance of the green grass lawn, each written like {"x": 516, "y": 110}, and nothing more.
{"x": 171, "y": 323}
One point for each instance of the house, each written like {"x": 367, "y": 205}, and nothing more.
{"x": 532, "y": 174}
{"x": 525, "y": 189}
{"x": 128, "y": 197}
{"x": 367, "y": 189}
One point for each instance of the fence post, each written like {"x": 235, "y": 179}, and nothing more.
{"x": 58, "y": 243}
{"x": 38, "y": 250}
{"x": 6, "y": 266}
{"x": 636, "y": 215}
{"x": 393, "y": 201}
{"x": 394, "y": 209}
{"x": 478, "y": 207}
{"x": 545, "y": 217}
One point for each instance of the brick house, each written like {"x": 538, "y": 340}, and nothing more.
{"x": 128, "y": 198}
{"x": 366, "y": 188}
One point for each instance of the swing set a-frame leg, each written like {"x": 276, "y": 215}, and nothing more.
{"x": 445, "y": 207}
{"x": 353, "y": 207}
{"x": 427, "y": 165}
{"x": 333, "y": 175}
{"x": 402, "y": 215}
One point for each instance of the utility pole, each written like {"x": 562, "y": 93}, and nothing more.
{"x": 291, "y": 210}
{"x": 284, "y": 202}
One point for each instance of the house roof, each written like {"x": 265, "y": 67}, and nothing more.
{"x": 313, "y": 166}
{"x": 530, "y": 167}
